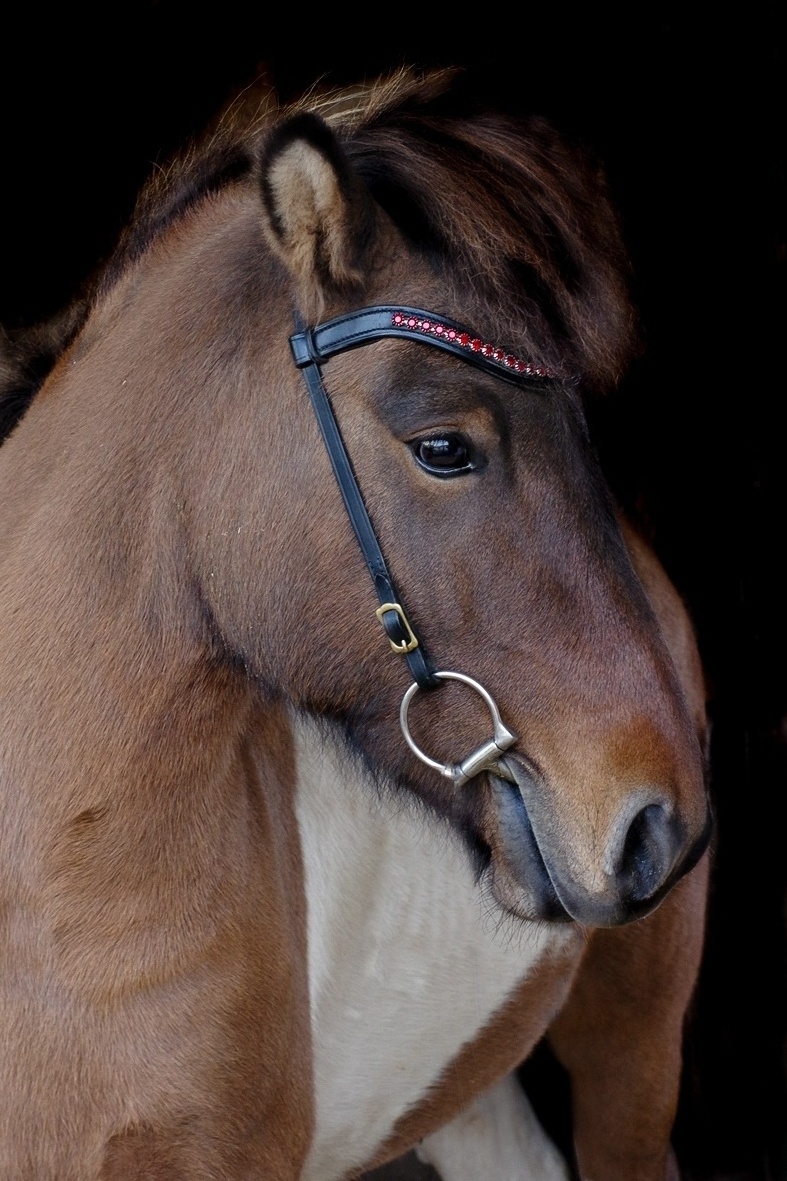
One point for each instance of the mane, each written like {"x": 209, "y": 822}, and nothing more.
{"x": 517, "y": 220}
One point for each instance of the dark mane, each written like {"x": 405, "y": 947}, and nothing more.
{"x": 510, "y": 211}
{"x": 502, "y": 204}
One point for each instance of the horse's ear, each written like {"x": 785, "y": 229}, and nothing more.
{"x": 318, "y": 215}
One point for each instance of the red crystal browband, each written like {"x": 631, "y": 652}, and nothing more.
{"x": 474, "y": 344}
{"x": 312, "y": 346}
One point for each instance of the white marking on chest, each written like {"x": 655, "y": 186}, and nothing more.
{"x": 408, "y": 958}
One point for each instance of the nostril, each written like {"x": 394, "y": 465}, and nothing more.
{"x": 648, "y": 853}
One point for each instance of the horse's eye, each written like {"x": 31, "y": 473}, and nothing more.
{"x": 444, "y": 455}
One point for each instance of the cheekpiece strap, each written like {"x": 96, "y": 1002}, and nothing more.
{"x": 310, "y": 347}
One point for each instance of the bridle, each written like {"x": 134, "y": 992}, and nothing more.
{"x": 312, "y": 346}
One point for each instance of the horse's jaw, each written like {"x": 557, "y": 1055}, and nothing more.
{"x": 532, "y": 864}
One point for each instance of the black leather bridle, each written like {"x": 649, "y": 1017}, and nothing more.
{"x": 311, "y": 347}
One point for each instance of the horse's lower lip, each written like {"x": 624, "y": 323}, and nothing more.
{"x": 521, "y": 848}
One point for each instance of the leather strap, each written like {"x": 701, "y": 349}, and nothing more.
{"x": 391, "y": 620}
{"x": 310, "y": 346}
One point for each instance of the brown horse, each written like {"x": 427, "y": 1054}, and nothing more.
{"x": 250, "y": 928}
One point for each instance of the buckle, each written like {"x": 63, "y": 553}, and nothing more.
{"x": 401, "y": 646}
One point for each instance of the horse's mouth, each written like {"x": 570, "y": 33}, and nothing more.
{"x": 519, "y": 848}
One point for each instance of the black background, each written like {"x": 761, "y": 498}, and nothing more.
{"x": 688, "y": 113}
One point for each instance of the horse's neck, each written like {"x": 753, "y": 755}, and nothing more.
{"x": 109, "y": 702}
{"x": 408, "y": 955}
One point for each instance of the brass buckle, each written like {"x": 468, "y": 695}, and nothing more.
{"x": 406, "y": 645}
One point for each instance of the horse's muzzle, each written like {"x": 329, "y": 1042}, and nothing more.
{"x": 646, "y": 852}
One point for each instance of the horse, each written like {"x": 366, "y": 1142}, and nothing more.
{"x": 353, "y": 741}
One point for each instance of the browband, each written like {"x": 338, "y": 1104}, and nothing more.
{"x": 311, "y": 346}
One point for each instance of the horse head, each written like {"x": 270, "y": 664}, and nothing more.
{"x": 480, "y": 480}
{"x": 485, "y": 494}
